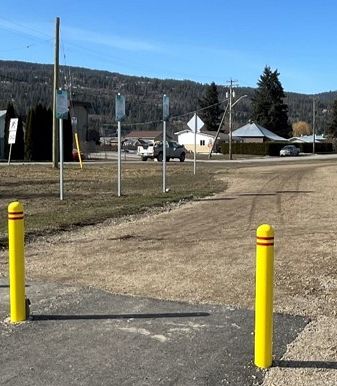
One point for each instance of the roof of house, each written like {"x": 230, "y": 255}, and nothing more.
{"x": 307, "y": 139}
{"x": 254, "y": 130}
{"x": 143, "y": 134}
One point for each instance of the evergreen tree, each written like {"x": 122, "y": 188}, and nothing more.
{"x": 332, "y": 128}
{"x": 38, "y": 135}
{"x": 38, "y": 138}
{"x": 67, "y": 139}
{"x": 269, "y": 110}
{"x": 43, "y": 148}
{"x": 212, "y": 115}
{"x": 29, "y": 136}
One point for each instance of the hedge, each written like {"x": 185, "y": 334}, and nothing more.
{"x": 273, "y": 148}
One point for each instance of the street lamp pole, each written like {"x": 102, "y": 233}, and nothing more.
{"x": 230, "y": 123}
{"x": 231, "y": 105}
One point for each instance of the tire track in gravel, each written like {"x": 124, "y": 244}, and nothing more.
{"x": 256, "y": 201}
{"x": 284, "y": 188}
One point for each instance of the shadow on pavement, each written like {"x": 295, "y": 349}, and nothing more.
{"x": 120, "y": 316}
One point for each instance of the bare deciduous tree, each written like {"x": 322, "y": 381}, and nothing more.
{"x": 301, "y": 128}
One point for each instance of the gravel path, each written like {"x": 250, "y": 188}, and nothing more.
{"x": 205, "y": 252}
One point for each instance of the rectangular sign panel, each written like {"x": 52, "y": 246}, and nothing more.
{"x": 13, "y": 126}
{"x": 120, "y": 107}
{"x": 166, "y": 107}
{"x": 62, "y": 104}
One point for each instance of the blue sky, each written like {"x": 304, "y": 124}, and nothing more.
{"x": 204, "y": 41}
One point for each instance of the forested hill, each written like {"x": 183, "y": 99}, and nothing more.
{"x": 27, "y": 84}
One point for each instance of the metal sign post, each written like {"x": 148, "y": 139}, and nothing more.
{"x": 61, "y": 157}
{"x": 195, "y": 144}
{"x": 120, "y": 114}
{"x": 61, "y": 113}
{"x": 13, "y": 126}
{"x": 195, "y": 124}
{"x": 166, "y": 114}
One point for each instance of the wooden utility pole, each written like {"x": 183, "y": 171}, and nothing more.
{"x": 55, "y": 88}
{"x": 231, "y": 96}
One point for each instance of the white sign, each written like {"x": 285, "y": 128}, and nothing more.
{"x": 13, "y": 125}
{"x": 191, "y": 123}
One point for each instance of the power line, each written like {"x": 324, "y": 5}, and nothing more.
{"x": 11, "y": 25}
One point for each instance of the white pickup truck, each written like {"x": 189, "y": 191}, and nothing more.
{"x": 155, "y": 151}
{"x": 146, "y": 150}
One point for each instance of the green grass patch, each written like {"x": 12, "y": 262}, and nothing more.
{"x": 90, "y": 195}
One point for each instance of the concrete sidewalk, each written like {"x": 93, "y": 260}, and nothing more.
{"x": 84, "y": 336}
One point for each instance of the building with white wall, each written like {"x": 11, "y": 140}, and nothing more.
{"x": 204, "y": 140}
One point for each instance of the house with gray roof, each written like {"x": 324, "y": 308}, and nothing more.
{"x": 308, "y": 139}
{"x": 253, "y": 132}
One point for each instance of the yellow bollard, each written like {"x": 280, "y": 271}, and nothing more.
{"x": 16, "y": 262}
{"x": 78, "y": 150}
{"x": 264, "y": 296}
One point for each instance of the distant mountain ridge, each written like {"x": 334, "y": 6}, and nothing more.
{"x": 27, "y": 84}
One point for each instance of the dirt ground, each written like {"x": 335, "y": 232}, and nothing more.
{"x": 204, "y": 251}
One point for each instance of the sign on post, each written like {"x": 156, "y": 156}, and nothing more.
{"x": 119, "y": 115}
{"x": 61, "y": 104}
{"x": 13, "y": 126}
{"x": 120, "y": 107}
{"x": 166, "y": 114}
{"x": 166, "y": 107}
{"x": 195, "y": 123}
{"x": 61, "y": 113}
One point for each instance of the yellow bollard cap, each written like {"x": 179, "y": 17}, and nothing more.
{"x": 265, "y": 230}
{"x": 15, "y": 211}
{"x": 15, "y": 207}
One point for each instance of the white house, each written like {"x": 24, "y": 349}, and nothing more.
{"x": 2, "y": 133}
{"x": 204, "y": 139}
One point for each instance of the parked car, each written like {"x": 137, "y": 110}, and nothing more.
{"x": 173, "y": 150}
{"x": 155, "y": 151}
{"x": 146, "y": 150}
{"x": 289, "y": 150}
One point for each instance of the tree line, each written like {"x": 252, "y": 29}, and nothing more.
{"x": 30, "y": 84}
{"x": 28, "y": 87}
{"x": 269, "y": 109}
{"x": 34, "y": 136}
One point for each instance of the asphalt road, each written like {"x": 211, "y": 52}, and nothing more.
{"x": 83, "y": 336}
